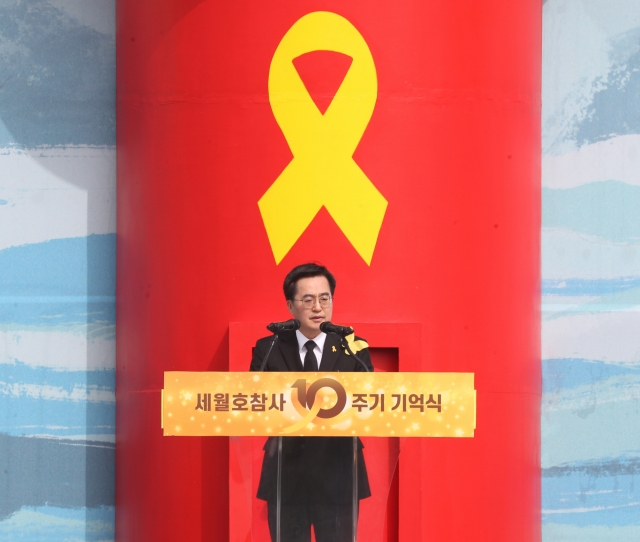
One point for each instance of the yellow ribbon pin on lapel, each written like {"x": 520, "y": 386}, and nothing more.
{"x": 322, "y": 172}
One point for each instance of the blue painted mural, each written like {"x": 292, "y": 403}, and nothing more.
{"x": 57, "y": 270}
{"x": 591, "y": 271}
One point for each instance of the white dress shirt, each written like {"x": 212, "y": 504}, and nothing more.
{"x": 302, "y": 349}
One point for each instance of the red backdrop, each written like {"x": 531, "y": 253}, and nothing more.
{"x": 453, "y": 146}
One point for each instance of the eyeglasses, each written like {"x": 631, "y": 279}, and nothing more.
{"x": 309, "y": 301}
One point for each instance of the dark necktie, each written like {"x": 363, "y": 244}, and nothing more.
{"x": 310, "y": 360}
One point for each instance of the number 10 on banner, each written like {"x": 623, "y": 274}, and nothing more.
{"x": 320, "y": 404}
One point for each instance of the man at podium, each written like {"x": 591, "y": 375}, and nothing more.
{"x": 317, "y": 473}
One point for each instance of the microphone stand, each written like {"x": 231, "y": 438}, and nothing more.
{"x": 264, "y": 361}
{"x": 345, "y": 343}
{"x": 279, "y": 475}
{"x": 355, "y": 505}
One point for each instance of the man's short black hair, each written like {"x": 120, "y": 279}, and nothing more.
{"x": 306, "y": 270}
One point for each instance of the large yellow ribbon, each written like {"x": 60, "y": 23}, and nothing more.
{"x": 322, "y": 172}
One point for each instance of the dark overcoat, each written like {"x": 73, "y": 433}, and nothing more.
{"x": 314, "y": 469}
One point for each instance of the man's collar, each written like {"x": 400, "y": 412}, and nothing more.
{"x": 319, "y": 340}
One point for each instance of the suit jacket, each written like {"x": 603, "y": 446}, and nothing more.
{"x": 314, "y": 469}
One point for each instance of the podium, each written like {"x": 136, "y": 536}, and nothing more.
{"x": 316, "y": 449}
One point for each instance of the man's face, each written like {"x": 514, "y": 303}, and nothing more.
{"x": 311, "y": 318}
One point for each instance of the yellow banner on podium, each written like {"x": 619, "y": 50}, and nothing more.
{"x": 318, "y": 404}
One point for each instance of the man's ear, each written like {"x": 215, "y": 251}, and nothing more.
{"x": 290, "y": 306}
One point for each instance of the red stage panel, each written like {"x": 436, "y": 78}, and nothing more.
{"x": 452, "y": 146}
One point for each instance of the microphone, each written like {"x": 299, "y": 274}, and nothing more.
{"x": 289, "y": 325}
{"x": 328, "y": 327}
